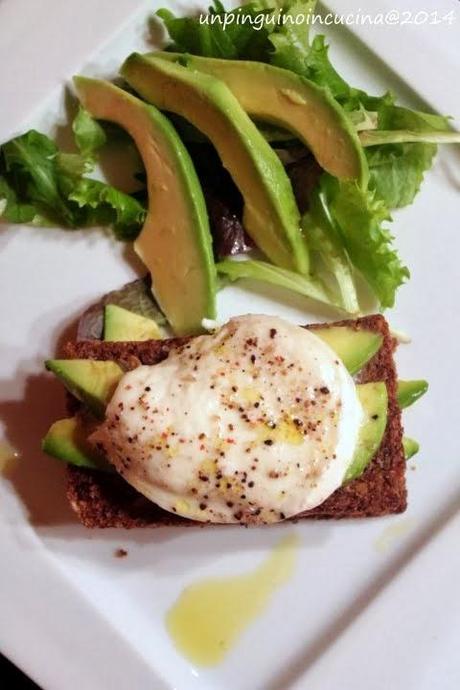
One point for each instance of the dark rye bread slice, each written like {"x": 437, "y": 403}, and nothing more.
{"x": 107, "y": 500}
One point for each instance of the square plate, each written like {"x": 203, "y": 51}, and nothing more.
{"x": 372, "y": 603}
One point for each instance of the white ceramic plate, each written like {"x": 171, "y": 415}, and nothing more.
{"x": 372, "y": 604}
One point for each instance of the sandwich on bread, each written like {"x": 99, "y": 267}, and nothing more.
{"x": 259, "y": 422}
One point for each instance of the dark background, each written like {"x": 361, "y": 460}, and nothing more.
{"x": 13, "y": 678}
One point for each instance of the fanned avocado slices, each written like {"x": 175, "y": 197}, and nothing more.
{"x": 285, "y": 99}
{"x": 270, "y": 213}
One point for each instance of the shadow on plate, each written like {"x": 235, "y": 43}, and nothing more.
{"x": 38, "y": 480}
{"x": 63, "y": 133}
{"x": 451, "y": 170}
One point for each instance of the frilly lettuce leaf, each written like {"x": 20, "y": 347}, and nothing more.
{"x": 290, "y": 40}
{"x": 213, "y": 39}
{"x": 106, "y": 205}
{"x": 28, "y": 166}
{"x": 359, "y": 216}
{"x": 89, "y": 135}
{"x": 397, "y": 169}
{"x": 325, "y": 241}
{"x": 13, "y": 210}
{"x": 41, "y": 185}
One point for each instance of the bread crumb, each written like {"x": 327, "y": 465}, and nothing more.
{"x": 120, "y": 553}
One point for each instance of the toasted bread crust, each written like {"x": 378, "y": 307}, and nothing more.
{"x": 105, "y": 500}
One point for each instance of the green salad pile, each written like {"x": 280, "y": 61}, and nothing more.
{"x": 344, "y": 222}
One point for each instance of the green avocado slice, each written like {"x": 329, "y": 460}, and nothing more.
{"x": 271, "y": 215}
{"x": 374, "y": 400}
{"x": 409, "y": 392}
{"x": 353, "y": 347}
{"x": 282, "y": 98}
{"x": 175, "y": 243}
{"x": 411, "y": 447}
{"x": 92, "y": 382}
{"x": 123, "y": 325}
{"x": 67, "y": 440}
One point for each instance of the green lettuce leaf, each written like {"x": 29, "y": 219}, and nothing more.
{"x": 406, "y": 136}
{"x": 320, "y": 70}
{"x": 397, "y": 170}
{"x": 44, "y": 186}
{"x": 15, "y": 211}
{"x": 212, "y": 38}
{"x": 324, "y": 239}
{"x": 265, "y": 272}
{"x": 290, "y": 40}
{"x": 106, "y": 205}
{"x": 395, "y": 117}
{"x": 89, "y": 135}
{"x": 360, "y": 215}
{"x": 73, "y": 164}
{"x": 363, "y": 120}
{"x": 29, "y": 166}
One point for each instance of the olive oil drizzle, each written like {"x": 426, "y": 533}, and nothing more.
{"x": 209, "y": 616}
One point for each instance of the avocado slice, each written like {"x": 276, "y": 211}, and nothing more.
{"x": 374, "y": 400}
{"x": 271, "y": 215}
{"x": 67, "y": 440}
{"x": 285, "y": 99}
{"x": 353, "y": 347}
{"x": 90, "y": 381}
{"x": 409, "y": 392}
{"x": 411, "y": 447}
{"x": 123, "y": 325}
{"x": 175, "y": 243}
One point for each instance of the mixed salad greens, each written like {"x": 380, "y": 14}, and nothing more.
{"x": 344, "y": 223}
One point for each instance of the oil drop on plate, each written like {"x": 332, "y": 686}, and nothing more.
{"x": 209, "y": 616}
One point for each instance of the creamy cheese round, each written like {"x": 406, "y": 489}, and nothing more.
{"x": 253, "y": 424}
